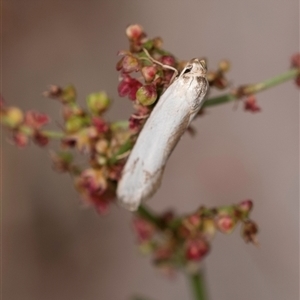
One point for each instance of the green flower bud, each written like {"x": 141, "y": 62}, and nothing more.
{"x": 68, "y": 95}
{"x": 98, "y": 102}
{"x": 146, "y": 94}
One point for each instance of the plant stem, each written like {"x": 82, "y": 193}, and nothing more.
{"x": 254, "y": 88}
{"x": 198, "y": 286}
{"x": 147, "y": 214}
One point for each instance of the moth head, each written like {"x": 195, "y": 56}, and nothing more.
{"x": 195, "y": 67}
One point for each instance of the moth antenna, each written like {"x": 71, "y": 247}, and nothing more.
{"x": 162, "y": 65}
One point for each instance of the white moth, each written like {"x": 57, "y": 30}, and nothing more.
{"x": 169, "y": 119}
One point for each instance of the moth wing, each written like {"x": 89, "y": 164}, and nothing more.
{"x": 144, "y": 169}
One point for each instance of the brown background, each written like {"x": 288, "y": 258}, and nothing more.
{"x": 54, "y": 249}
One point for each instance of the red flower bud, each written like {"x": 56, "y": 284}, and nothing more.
{"x": 251, "y": 104}
{"x": 168, "y": 60}
{"x": 143, "y": 229}
{"x": 245, "y": 206}
{"x": 196, "y": 249}
{"x": 128, "y": 87}
{"x": 295, "y": 60}
{"x": 40, "y": 139}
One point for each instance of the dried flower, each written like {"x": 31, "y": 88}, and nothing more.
{"x": 249, "y": 231}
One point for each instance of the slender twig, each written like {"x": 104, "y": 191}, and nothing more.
{"x": 253, "y": 88}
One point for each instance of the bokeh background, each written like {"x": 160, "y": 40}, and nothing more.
{"x": 54, "y": 249}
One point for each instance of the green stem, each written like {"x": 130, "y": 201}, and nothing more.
{"x": 254, "y": 88}
{"x": 198, "y": 286}
{"x": 147, "y": 214}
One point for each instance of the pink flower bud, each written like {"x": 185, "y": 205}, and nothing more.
{"x": 100, "y": 125}
{"x": 196, "y": 249}
{"x": 251, "y": 104}
{"x": 146, "y": 95}
{"x": 134, "y": 32}
{"x": 225, "y": 223}
{"x": 295, "y": 60}
{"x": 20, "y": 139}
{"x": 143, "y": 229}
{"x": 35, "y": 119}
{"x": 129, "y": 64}
{"x": 149, "y": 73}
{"x": 245, "y": 206}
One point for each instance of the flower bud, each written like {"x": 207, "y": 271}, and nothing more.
{"x": 134, "y": 32}
{"x": 146, "y": 94}
{"x": 225, "y": 223}
{"x": 13, "y": 117}
{"x": 295, "y": 60}
{"x": 98, "y": 102}
{"x": 208, "y": 228}
{"x": 54, "y": 92}
{"x": 157, "y": 42}
{"x": 251, "y": 104}
{"x": 143, "y": 229}
{"x": 224, "y": 66}
{"x": 40, "y": 139}
{"x": 68, "y": 95}
{"x": 196, "y": 249}
{"x": 20, "y": 139}
{"x": 74, "y": 124}
{"x": 101, "y": 146}
{"x": 168, "y": 60}
{"x": 149, "y": 73}
{"x": 61, "y": 161}
{"x": 35, "y": 119}
{"x": 245, "y": 206}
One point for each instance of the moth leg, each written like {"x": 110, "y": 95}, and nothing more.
{"x": 162, "y": 65}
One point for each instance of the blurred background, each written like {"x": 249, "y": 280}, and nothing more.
{"x": 54, "y": 249}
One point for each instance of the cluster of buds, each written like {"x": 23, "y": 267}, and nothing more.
{"x": 89, "y": 133}
{"x": 24, "y": 125}
{"x": 185, "y": 241}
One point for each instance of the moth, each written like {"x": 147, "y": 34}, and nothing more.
{"x": 171, "y": 116}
